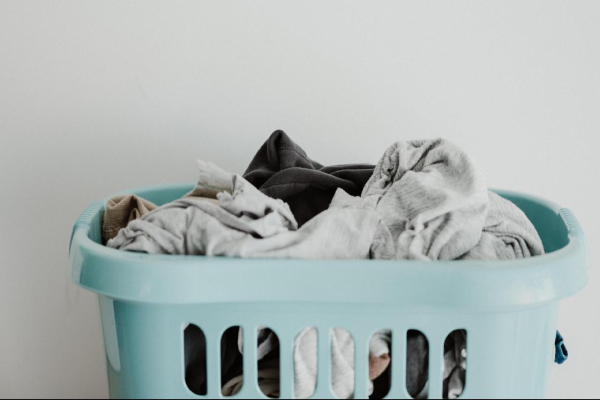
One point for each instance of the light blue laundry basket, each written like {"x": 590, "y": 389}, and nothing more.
{"x": 509, "y": 309}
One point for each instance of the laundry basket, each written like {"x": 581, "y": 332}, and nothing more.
{"x": 508, "y": 308}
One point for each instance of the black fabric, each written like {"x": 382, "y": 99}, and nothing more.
{"x": 282, "y": 169}
{"x": 195, "y": 359}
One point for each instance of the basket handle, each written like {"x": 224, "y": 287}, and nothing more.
{"x": 85, "y": 219}
{"x": 571, "y": 222}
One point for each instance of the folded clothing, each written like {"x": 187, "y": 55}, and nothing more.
{"x": 281, "y": 169}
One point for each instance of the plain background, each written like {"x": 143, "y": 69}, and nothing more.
{"x": 100, "y": 96}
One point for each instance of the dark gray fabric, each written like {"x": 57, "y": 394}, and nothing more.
{"x": 282, "y": 169}
{"x": 417, "y": 363}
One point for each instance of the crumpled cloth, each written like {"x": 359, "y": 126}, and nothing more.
{"x": 432, "y": 198}
{"x": 247, "y": 223}
{"x": 120, "y": 210}
{"x": 507, "y": 234}
{"x": 282, "y": 169}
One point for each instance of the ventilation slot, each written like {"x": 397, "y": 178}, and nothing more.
{"x": 305, "y": 363}
{"x": 267, "y": 355}
{"x": 455, "y": 364}
{"x": 195, "y": 359}
{"x": 342, "y": 363}
{"x": 380, "y": 363}
{"x": 417, "y": 364}
{"x": 232, "y": 361}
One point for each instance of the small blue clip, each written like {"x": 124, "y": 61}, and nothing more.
{"x": 561, "y": 354}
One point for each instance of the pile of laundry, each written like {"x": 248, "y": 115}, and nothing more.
{"x": 424, "y": 200}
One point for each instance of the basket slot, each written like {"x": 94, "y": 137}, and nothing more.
{"x": 273, "y": 383}
{"x": 379, "y": 390}
{"x": 436, "y": 344}
{"x": 414, "y": 360}
{"x": 229, "y": 336}
{"x": 195, "y": 371}
{"x": 457, "y": 360}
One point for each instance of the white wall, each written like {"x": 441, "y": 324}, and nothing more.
{"x": 101, "y": 96}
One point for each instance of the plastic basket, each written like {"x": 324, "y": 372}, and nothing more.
{"x": 508, "y": 308}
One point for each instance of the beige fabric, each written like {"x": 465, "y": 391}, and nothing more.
{"x": 378, "y": 365}
{"x": 120, "y": 210}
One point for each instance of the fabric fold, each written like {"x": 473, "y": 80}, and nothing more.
{"x": 507, "y": 234}
{"x": 431, "y": 196}
{"x": 247, "y": 223}
{"x": 281, "y": 169}
{"x": 120, "y": 210}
